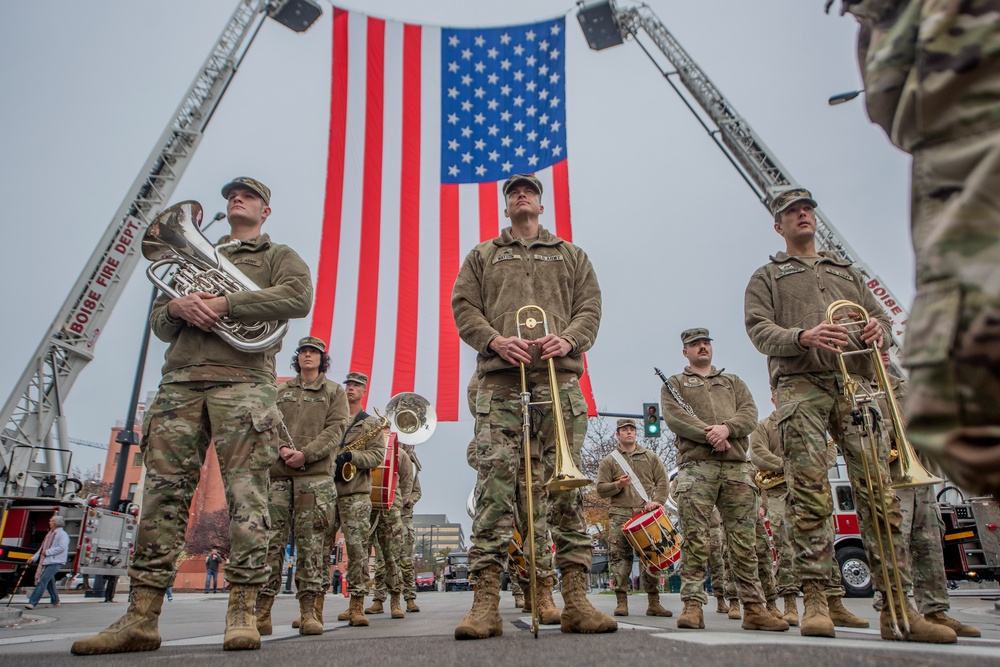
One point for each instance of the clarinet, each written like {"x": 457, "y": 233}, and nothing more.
{"x": 673, "y": 392}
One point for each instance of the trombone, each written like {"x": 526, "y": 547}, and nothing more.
{"x": 566, "y": 476}
{"x": 912, "y": 473}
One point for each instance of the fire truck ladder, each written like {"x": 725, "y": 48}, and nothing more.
{"x": 35, "y": 403}
{"x": 754, "y": 161}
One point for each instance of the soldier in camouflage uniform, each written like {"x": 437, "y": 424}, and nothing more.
{"x": 767, "y": 455}
{"x": 354, "y": 502}
{"x": 785, "y": 308}
{"x": 932, "y": 82}
{"x": 210, "y": 391}
{"x": 406, "y": 505}
{"x": 712, "y": 413}
{"x": 389, "y": 539}
{"x": 923, "y": 531}
{"x": 302, "y": 494}
{"x": 615, "y": 483}
{"x": 526, "y": 265}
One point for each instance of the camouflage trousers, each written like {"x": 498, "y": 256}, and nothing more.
{"x": 952, "y": 347}
{"x": 701, "y": 485}
{"x": 774, "y": 503}
{"x": 809, "y": 405}
{"x": 353, "y": 517}
{"x": 621, "y": 555}
{"x": 500, "y": 488}
{"x": 765, "y": 564}
{"x": 304, "y": 506}
{"x": 242, "y": 420}
{"x": 924, "y": 530}
{"x": 406, "y": 566}
{"x": 389, "y": 539}
{"x": 717, "y": 558}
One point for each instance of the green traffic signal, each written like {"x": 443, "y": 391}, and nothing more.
{"x": 651, "y": 419}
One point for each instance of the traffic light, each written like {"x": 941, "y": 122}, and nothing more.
{"x": 651, "y": 419}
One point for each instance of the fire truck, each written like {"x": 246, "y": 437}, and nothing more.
{"x": 35, "y": 457}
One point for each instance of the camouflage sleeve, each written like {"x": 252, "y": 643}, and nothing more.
{"x": 404, "y": 487}
{"x": 744, "y": 422}
{"x": 373, "y": 453}
{"x": 415, "y": 493}
{"x": 760, "y": 454}
{"x": 467, "y": 306}
{"x": 606, "y": 486}
{"x": 677, "y": 419}
{"x": 767, "y": 336}
{"x": 289, "y": 296}
{"x": 338, "y": 416}
{"x": 586, "y": 317}
{"x": 161, "y": 324}
{"x": 660, "y": 485}
{"x": 470, "y": 455}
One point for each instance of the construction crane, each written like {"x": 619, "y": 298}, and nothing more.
{"x": 27, "y": 453}
{"x": 605, "y": 24}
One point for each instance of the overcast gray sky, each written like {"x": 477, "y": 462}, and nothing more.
{"x": 673, "y": 231}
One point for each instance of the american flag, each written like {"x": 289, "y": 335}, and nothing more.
{"x": 424, "y": 123}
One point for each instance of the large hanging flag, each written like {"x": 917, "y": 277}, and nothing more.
{"x": 424, "y": 123}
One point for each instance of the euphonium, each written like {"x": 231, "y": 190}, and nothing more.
{"x": 174, "y": 238}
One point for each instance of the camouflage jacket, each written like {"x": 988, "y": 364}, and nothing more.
{"x": 765, "y": 445}
{"x": 787, "y": 296}
{"x": 315, "y": 415}
{"x": 370, "y": 456}
{"x": 648, "y": 468}
{"x": 719, "y": 398}
{"x": 502, "y": 275}
{"x": 413, "y": 497}
{"x": 286, "y": 292}
{"x": 931, "y": 67}
{"x": 405, "y": 476}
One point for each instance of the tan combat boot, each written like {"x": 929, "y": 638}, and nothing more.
{"x": 772, "y": 609}
{"x": 791, "y": 615}
{"x": 411, "y": 606}
{"x": 484, "y": 619}
{"x": 137, "y": 630}
{"x": 526, "y": 606}
{"x": 519, "y": 601}
{"x": 395, "y": 608}
{"x": 344, "y": 615}
{"x": 241, "y": 622}
{"x": 357, "y": 610}
{"x": 263, "y": 613}
{"x": 320, "y": 603}
{"x": 309, "y": 624}
{"x": 691, "y": 617}
{"x": 622, "y": 608}
{"x": 921, "y": 630}
{"x": 548, "y": 612}
{"x": 578, "y": 614}
{"x": 734, "y": 610}
{"x": 961, "y": 629}
{"x": 376, "y": 608}
{"x": 721, "y": 606}
{"x": 841, "y": 617}
{"x": 756, "y": 617}
{"x": 654, "y": 608}
{"x": 816, "y": 621}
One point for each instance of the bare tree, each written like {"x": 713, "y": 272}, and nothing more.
{"x": 92, "y": 484}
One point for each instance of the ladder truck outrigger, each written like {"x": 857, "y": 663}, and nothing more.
{"x": 35, "y": 469}
{"x": 972, "y": 536}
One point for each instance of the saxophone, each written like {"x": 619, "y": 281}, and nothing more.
{"x": 348, "y": 471}
{"x": 766, "y": 479}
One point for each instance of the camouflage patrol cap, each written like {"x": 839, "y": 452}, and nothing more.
{"x": 522, "y": 178}
{"x": 359, "y": 378}
{"x": 311, "y": 341}
{"x": 691, "y": 335}
{"x": 783, "y": 200}
{"x": 249, "y": 183}
{"x": 622, "y": 423}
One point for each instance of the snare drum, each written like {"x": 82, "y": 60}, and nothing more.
{"x": 657, "y": 541}
{"x": 384, "y": 477}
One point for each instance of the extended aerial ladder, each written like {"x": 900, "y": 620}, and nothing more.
{"x": 28, "y": 457}
{"x": 605, "y": 24}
